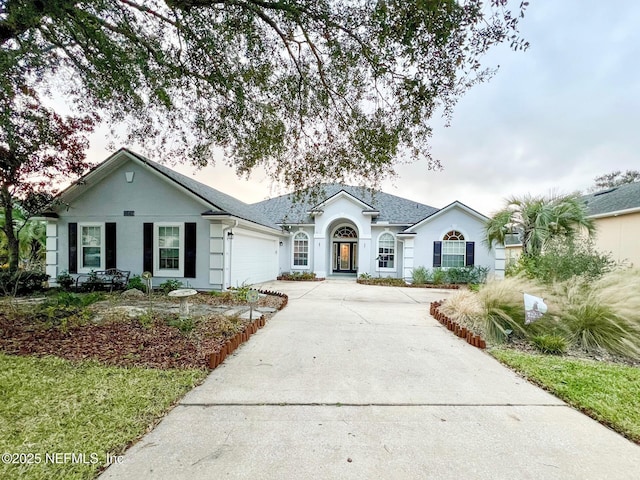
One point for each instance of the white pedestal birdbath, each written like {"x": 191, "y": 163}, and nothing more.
{"x": 183, "y": 294}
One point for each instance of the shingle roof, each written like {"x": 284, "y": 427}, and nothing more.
{"x": 614, "y": 199}
{"x": 224, "y": 202}
{"x": 393, "y": 209}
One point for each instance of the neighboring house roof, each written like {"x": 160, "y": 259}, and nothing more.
{"x": 615, "y": 200}
{"x": 392, "y": 209}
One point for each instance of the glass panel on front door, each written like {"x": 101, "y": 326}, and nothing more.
{"x": 344, "y": 257}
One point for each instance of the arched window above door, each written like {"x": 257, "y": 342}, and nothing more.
{"x": 345, "y": 232}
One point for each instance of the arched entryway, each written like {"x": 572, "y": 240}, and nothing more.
{"x": 344, "y": 249}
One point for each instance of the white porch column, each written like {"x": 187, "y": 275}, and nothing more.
{"x": 216, "y": 256}
{"x": 320, "y": 255}
{"x": 364, "y": 255}
{"x": 52, "y": 252}
{"x": 407, "y": 259}
{"x": 500, "y": 261}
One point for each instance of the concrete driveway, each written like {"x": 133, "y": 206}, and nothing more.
{"x": 360, "y": 382}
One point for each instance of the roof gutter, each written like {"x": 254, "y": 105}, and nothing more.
{"x": 616, "y": 213}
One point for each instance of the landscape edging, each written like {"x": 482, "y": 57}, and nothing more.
{"x": 458, "y": 330}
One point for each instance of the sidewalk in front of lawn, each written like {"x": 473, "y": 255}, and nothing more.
{"x": 354, "y": 381}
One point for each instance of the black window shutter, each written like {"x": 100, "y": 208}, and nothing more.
{"x": 470, "y": 251}
{"x": 147, "y": 247}
{"x": 73, "y": 248}
{"x": 190, "y": 250}
{"x": 437, "y": 254}
{"x": 110, "y": 245}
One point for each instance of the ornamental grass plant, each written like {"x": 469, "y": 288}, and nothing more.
{"x": 591, "y": 315}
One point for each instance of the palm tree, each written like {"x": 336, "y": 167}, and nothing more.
{"x": 538, "y": 219}
{"x": 31, "y": 236}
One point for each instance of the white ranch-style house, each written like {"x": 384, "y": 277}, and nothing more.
{"x": 134, "y": 214}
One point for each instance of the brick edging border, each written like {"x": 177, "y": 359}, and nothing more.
{"x": 216, "y": 358}
{"x": 456, "y": 328}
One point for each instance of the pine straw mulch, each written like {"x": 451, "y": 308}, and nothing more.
{"x": 159, "y": 341}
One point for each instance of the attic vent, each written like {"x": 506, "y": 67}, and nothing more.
{"x": 605, "y": 191}
{"x": 129, "y": 213}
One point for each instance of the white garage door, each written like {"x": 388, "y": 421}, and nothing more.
{"x": 254, "y": 258}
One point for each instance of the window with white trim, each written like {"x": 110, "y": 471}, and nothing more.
{"x": 301, "y": 250}
{"x": 453, "y": 249}
{"x": 91, "y": 251}
{"x": 386, "y": 251}
{"x": 169, "y": 247}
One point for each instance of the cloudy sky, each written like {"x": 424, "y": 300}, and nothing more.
{"x": 551, "y": 119}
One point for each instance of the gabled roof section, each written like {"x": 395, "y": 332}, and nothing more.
{"x": 392, "y": 209}
{"x": 614, "y": 201}
{"x": 442, "y": 211}
{"x": 211, "y": 198}
{"x": 342, "y": 194}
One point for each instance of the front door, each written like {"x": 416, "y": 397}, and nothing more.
{"x": 345, "y": 257}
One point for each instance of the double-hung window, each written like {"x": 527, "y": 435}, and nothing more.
{"x": 169, "y": 246}
{"x": 91, "y": 251}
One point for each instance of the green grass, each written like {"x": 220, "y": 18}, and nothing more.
{"x": 50, "y": 405}
{"x": 608, "y": 392}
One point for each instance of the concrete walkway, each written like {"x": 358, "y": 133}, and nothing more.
{"x": 360, "y": 382}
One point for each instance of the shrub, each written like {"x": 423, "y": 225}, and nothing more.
{"x": 297, "y": 276}
{"x": 22, "y": 282}
{"x": 420, "y": 276}
{"x": 65, "y": 280}
{"x": 563, "y": 259}
{"x": 551, "y": 344}
{"x": 438, "y": 276}
{"x": 385, "y": 281}
{"x": 137, "y": 283}
{"x": 170, "y": 285}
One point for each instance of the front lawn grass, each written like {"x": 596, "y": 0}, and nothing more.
{"x": 49, "y": 405}
{"x": 608, "y": 392}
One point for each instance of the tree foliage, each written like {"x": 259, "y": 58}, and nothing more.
{"x": 537, "y": 220}
{"x": 311, "y": 90}
{"x": 615, "y": 179}
{"x": 36, "y": 146}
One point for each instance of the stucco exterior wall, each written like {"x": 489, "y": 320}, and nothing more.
{"x": 619, "y": 235}
{"x": 458, "y": 219}
{"x": 337, "y": 211}
{"x": 152, "y": 199}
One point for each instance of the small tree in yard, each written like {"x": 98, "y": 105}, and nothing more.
{"x": 538, "y": 220}
{"x": 36, "y": 146}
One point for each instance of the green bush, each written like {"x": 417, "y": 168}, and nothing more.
{"x": 65, "y": 280}
{"x": 563, "y": 259}
{"x": 420, "y": 276}
{"x": 136, "y": 282}
{"x": 170, "y": 285}
{"x": 438, "y": 276}
{"x": 297, "y": 276}
{"x": 385, "y": 281}
{"x": 551, "y": 344}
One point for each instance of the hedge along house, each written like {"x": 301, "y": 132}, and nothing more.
{"x": 134, "y": 214}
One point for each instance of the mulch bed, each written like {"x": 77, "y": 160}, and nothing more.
{"x": 126, "y": 342}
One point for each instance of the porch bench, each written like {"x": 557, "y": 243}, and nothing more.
{"x": 111, "y": 279}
